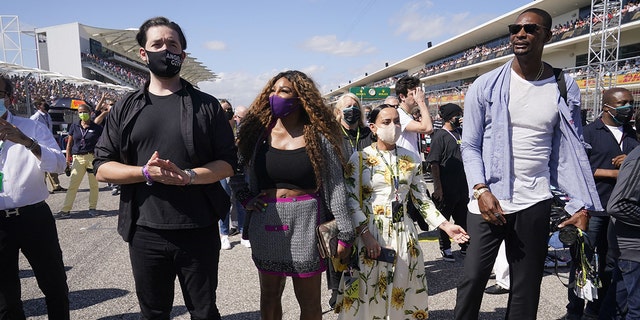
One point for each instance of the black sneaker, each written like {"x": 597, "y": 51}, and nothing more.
{"x": 233, "y": 232}
{"x": 333, "y": 299}
{"x": 496, "y": 289}
{"x": 447, "y": 256}
{"x": 62, "y": 215}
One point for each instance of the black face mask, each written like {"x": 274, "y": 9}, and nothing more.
{"x": 455, "y": 122}
{"x": 229, "y": 113}
{"x": 164, "y": 64}
{"x": 351, "y": 115}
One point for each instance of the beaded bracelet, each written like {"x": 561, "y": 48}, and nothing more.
{"x": 363, "y": 231}
{"x": 147, "y": 176}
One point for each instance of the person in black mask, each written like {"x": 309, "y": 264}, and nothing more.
{"x": 611, "y": 138}
{"x": 168, "y": 145}
{"x": 449, "y": 181}
{"x": 356, "y": 135}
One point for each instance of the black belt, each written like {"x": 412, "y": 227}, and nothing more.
{"x": 13, "y": 212}
{"x": 82, "y": 153}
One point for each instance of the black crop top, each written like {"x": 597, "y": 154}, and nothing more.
{"x": 284, "y": 169}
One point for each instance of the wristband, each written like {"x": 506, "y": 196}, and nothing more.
{"x": 364, "y": 230}
{"x": 192, "y": 176}
{"x": 147, "y": 176}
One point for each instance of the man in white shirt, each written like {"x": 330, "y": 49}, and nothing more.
{"x": 42, "y": 115}
{"x": 28, "y": 150}
{"x": 410, "y": 95}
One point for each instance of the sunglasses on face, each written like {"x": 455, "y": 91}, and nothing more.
{"x": 529, "y": 28}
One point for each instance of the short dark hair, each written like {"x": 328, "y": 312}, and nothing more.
{"x": 405, "y": 84}
{"x": 373, "y": 115}
{"x": 546, "y": 17}
{"x": 141, "y": 36}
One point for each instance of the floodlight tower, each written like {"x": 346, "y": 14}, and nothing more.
{"x": 604, "y": 44}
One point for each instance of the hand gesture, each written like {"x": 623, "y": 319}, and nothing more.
{"x": 456, "y": 232}
{"x": 165, "y": 171}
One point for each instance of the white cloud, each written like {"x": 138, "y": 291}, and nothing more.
{"x": 215, "y": 45}
{"x": 331, "y": 45}
{"x": 238, "y": 87}
{"x": 418, "y": 23}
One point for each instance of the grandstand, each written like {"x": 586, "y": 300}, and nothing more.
{"x": 106, "y": 55}
{"x": 83, "y": 62}
{"x": 447, "y": 69}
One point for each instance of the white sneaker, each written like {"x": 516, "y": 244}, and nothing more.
{"x": 245, "y": 243}
{"x": 224, "y": 243}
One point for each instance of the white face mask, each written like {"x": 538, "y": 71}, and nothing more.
{"x": 389, "y": 134}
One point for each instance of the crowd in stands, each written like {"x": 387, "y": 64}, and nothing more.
{"x": 52, "y": 89}
{"x": 128, "y": 75}
{"x": 624, "y": 67}
{"x": 502, "y": 47}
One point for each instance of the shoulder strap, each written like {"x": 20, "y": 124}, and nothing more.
{"x": 360, "y": 166}
{"x": 562, "y": 86}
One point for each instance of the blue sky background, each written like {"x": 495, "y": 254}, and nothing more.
{"x": 248, "y": 42}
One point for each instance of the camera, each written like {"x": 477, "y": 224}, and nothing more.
{"x": 569, "y": 234}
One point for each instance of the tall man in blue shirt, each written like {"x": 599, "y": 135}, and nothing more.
{"x": 520, "y": 137}
{"x": 28, "y": 150}
{"x": 167, "y": 145}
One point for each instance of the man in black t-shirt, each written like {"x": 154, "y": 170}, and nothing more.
{"x": 449, "y": 180}
{"x": 168, "y": 145}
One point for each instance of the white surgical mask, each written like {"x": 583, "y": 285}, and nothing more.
{"x": 389, "y": 134}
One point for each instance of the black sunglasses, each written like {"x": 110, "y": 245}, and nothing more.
{"x": 529, "y": 28}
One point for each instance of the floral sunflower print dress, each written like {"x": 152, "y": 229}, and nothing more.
{"x": 397, "y": 290}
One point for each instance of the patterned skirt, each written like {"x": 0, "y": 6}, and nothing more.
{"x": 283, "y": 237}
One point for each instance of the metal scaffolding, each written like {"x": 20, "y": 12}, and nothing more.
{"x": 10, "y": 40}
{"x": 604, "y": 44}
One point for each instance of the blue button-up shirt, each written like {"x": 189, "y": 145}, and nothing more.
{"x": 487, "y": 146}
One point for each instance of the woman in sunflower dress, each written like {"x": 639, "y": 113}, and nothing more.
{"x": 381, "y": 177}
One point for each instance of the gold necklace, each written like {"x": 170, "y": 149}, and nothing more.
{"x": 540, "y": 72}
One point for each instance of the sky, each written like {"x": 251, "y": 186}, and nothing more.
{"x": 247, "y": 42}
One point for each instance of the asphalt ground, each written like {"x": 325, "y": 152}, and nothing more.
{"x": 101, "y": 284}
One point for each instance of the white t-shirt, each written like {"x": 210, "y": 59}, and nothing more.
{"x": 533, "y": 115}
{"x": 408, "y": 139}
{"x": 617, "y": 133}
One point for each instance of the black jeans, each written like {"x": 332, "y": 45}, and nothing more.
{"x": 526, "y": 235}
{"x": 158, "y": 256}
{"x": 456, "y": 209}
{"x": 34, "y": 233}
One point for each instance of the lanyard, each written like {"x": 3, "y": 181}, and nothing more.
{"x": 396, "y": 177}
{"x": 83, "y": 132}
{"x": 452, "y": 135}
{"x": 353, "y": 147}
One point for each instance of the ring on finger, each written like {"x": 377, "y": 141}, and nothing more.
{"x": 497, "y": 214}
